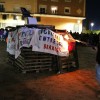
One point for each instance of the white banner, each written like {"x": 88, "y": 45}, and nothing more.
{"x": 45, "y": 40}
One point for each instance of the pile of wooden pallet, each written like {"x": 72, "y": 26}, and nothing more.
{"x": 33, "y": 61}
{"x": 11, "y": 58}
{"x": 30, "y": 60}
{"x": 70, "y": 63}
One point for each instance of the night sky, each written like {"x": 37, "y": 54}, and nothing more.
{"x": 93, "y": 12}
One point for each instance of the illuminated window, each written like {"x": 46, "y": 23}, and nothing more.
{"x": 2, "y": 25}
{"x": 42, "y": 9}
{"x": 54, "y": 0}
{"x": 15, "y": 17}
{"x": 54, "y": 9}
{"x": 67, "y": 0}
{"x": 67, "y": 10}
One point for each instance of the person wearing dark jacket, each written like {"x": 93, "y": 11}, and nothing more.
{"x": 98, "y": 65}
{"x": 98, "y": 54}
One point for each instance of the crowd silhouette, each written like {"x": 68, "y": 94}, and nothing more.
{"x": 3, "y": 34}
{"x": 91, "y": 39}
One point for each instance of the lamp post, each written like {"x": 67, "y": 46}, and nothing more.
{"x": 92, "y": 24}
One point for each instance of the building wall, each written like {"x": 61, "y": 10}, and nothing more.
{"x": 77, "y": 9}
{"x": 10, "y": 5}
{"x": 77, "y": 6}
{"x": 65, "y": 21}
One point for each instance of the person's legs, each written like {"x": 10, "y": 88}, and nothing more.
{"x": 98, "y": 78}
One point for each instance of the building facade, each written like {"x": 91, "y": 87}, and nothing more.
{"x": 63, "y": 14}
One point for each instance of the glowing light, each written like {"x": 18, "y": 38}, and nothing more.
{"x": 53, "y": 8}
{"x": 66, "y": 37}
{"x": 17, "y": 17}
{"x": 12, "y": 22}
{"x": 92, "y": 24}
{"x": 68, "y": 26}
{"x": 78, "y": 21}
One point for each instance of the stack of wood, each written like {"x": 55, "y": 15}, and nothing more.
{"x": 69, "y": 63}
{"x": 30, "y": 60}
{"x": 11, "y": 58}
{"x": 33, "y": 61}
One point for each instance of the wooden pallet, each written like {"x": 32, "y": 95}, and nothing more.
{"x": 11, "y": 59}
{"x": 30, "y": 61}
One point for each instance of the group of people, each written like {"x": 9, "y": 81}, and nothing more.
{"x": 3, "y": 34}
{"x": 92, "y": 40}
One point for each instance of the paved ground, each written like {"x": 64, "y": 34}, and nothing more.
{"x": 77, "y": 85}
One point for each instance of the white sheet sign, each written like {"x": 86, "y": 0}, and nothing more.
{"x": 45, "y": 40}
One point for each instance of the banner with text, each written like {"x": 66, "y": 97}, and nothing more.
{"x": 45, "y": 40}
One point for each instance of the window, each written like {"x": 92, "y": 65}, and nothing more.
{"x": 54, "y": 0}
{"x": 15, "y": 17}
{"x": 42, "y": 9}
{"x": 67, "y": 10}
{"x": 4, "y": 16}
{"x": 54, "y": 9}
{"x": 2, "y": 9}
{"x": 67, "y": 0}
{"x": 3, "y": 25}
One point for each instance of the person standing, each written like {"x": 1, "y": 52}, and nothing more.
{"x": 98, "y": 65}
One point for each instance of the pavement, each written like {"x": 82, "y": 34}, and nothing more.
{"x": 78, "y": 85}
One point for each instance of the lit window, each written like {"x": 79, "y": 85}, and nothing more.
{"x": 2, "y": 25}
{"x": 78, "y": 21}
{"x": 54, "y": 9}
{"x": 67, "y": 10}
{"x": 67, "y": 0}
{"x": 15, "y": 17}
{"x": 42, "y": 9}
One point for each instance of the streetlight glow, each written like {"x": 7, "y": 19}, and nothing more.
{"x": 92, "y": 24}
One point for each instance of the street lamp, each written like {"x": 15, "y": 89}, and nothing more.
{"x": 92, "y": 24}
